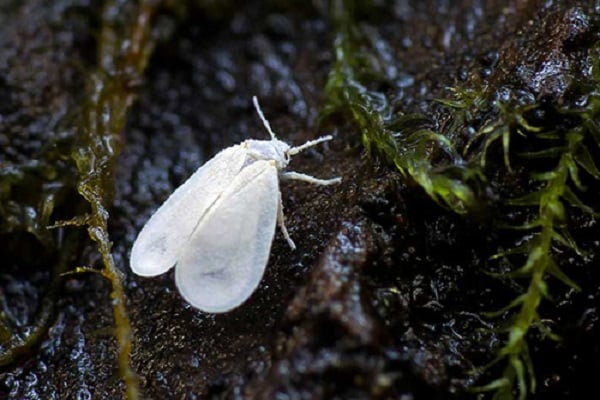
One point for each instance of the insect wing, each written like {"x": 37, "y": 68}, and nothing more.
{"x": 160, "y": 242}
{"x": 226, "y": 256}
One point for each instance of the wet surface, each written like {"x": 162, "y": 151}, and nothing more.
{"x": 386, "y": 294}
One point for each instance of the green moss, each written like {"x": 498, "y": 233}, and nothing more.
{"x": 565, "y": 147}
{"x": 557, "y": 147}
{"x": 31, "y": 192}
{"x": 405, "y": 141}
{"x": 18, "y": 344}
{"x": 124, "y": 48}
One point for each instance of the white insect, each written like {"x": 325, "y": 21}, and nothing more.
{"x": 217, "y": 227}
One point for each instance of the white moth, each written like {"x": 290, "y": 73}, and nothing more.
{"x": 217, "y": 227}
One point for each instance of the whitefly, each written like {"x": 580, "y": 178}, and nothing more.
{"x": 216, "y": 229}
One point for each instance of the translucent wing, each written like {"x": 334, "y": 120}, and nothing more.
{"x": 226, "y": 256}
{"x": 159, "y": 244}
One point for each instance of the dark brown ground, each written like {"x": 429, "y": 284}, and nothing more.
{"x": 383, "y": 297}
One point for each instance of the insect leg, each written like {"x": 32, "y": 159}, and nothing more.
{"x": 310, "y": 179}
{"x": 281, "y": 222}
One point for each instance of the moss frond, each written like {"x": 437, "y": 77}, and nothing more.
{"x": 124, "y": 48}
{"x": 405, "y": 141}
{"x": 556, "y": 191}
{"x": 555, "y": 155}
{"x": 563, "y": 150}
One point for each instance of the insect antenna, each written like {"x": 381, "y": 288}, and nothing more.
{"x": 310, "y": 143}
{"x": 262, "y": 117}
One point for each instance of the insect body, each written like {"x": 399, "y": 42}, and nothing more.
{"x": 217, "y": 227}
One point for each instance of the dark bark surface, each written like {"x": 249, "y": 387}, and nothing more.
{"x": 386, "y": 294}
